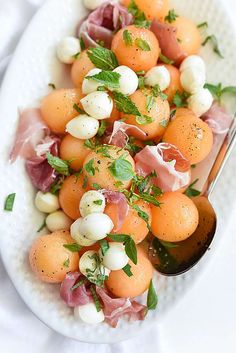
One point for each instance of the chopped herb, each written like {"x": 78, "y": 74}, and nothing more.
{"x": 143, "y": 119}
{"x": 171, "y": 17}
{"x": 96, "y": 186}
{"x": 100, "y": 42}
{"x": 82, "y": 44}
{"x": 156, "y": 91}
{"x": 102, "y": 58}
{"x": 131, "y": 146}
{"x": 140, "y": 19}
{"x": 218, "y": 91}
{"x": 97, "y": 275}
{"x": 76, "y": 56}
{"x": 141, "y": 82}
{"x": 102, "y": 128}
{"x": 85, "y": 182}
{"x": 66, "y": 263}
{"x": 172, "y": 113}
{"x": 142, "y": 215}
{"x": 52, "y": 85}
{"x": 150, "y": 103}
{"x": 89, "y": 167}
{"x": 203, "y": 25}
{"x": 97, "y": 202}
{"x": 121, "y": 169}
{"x": 124, "y": 104}
{"x": 130, "y": 247}
{"x": 166, "y": 60}
{"x": 90, "y": 144}
{"x": 190, "y": 191}
{"x": 127, "y": 270}
{"x": 74, "y": 247}
{"x": 142, "y": 44}
{"x": 212, "y": 38}
{"x": 104, "y": 150}
{"x": 118, "y": 184}
{"x": 58, "y": 164}
{"x": 107, "y": 78}
{"x": 142, "y": 72}
{"x": 95, "y": 299}
{"x": 168, "y": 244}
{"x": 57, "y": 185}
{"x": 101, "y": 89}
{"x": 9, "y": 202}
{"x": 193, "y": 166}
{"x": 127, "y": 37}
{"x": 164, "y": 122}
{"x": 42, "y": 226}
{"x": 180, "y": 99}
{"x": 152, "y": 298}
{"x": 78, "y": 284}
{"x": 104, "y": 246}
{"x": 78, "y": 109}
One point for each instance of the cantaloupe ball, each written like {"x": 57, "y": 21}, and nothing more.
{"x": 142, "y": 54}
{"x": 50, "y": 260}
{"x": 80, "y": 68}
{"x": 58, "y": 108}
{"x": 70, "y": 194}
{"x": 184, "y": 112}
{"x": 132, "y": 225}
{"x": 101, "y": 161}
{"x": 122, "y": 286}
{"x": 188, "y": 35}
{"x": 175, "y": 219}
{"x": 159, "y": 112}
{"x": 191, "y": 135}
{"x": 152, "y": 8}
{"x": 73, "y": 149}
{"x": 115, "y": 114}
{"x": 175, "y": 84}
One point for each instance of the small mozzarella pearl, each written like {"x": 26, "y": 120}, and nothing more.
{"x": 92, "y": 202}
{"x": 89, "y": 314}
{"x": 192, "y": 80}
{"x": 158, "y": 75}
{"x": 96, "y": 226}
{"x": 200, "y": 102}
{"x": 46, "y": 202}
{"x": 115, "y": 257}
{"x": 83, "y": 127}
{"x": 99, "y": 105}
{"x": 67, "y": 49}
{"x": 193, "y": 61}
{"x": 88, "y": 262}
{"x": 77, "y": 236}
{"x": 58, "y": 220}
{"x": 89, "y": 86}
{"x": 128, "y": 80}
{"x": 93, "y": 4}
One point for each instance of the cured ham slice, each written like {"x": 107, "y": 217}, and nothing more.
{"x": 218, "y": 119}
{"x": 118, "y": 199}
{"x": 121, "y": 131}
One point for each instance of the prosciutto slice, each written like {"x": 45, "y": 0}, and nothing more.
{"x": 115, "y": 308}
{"x": 121, "y": 131}
{"x": 118, "y": 199}
{"x": 78, "y": 296}
{"x": 218, "y": 119}
{"x": 172, "y": 168}
{"x": 103, "y": 22}
{"x": 31, "y": 129}
{"x": 167, "y": 38}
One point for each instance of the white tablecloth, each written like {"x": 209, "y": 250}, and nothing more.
{"x": 203, "y": 322}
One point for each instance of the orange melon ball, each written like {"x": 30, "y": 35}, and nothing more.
{"x": 73, "y": 149}
{"x": 142, "y": 54}
{"x": 115, "y": 114}
{"x": 176, "y": 219}
{"x": 184, "y": 112}
{"x": 100, "y": 167}
{"x": 57, "y": 108}
{"x": 122, "y": 286}
{"x": 70, "y": 194}
{"x": 50, "y": 260}
{"x": 175, "y": 84}
{"x": 159, "y": 112}
{"x": 133, "y": 225}
{"x": 152, "y": 8}
{"x": 80, "y": 68}
{"x": 188, "y": 35}
{"x": 192, "y": 136}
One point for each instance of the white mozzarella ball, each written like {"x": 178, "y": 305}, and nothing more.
{"x": 200, "y": 102}
{"x": 46, "y": 202}
{"x": 77, "y": 236}
{"x": 192, "y": 80}
{"x": 92, "y": 202}
{"x": 58, "y": 220}
{"x": 128, "y": 80}
{"x": 115, "y": 257}
{"x": 83, "y": 127}
{"x": 193, "y": 61}
{"x": 88, "y": 265}
{"x": 158, "y": 75}
{"x": 96, "y": 226}
{"x": 89, "y": 314}
{"x": 89, "y": 85}
{"x": 93, "y": 4}
{"x": 98, "y": 104}
{"x": 67, "y": 49}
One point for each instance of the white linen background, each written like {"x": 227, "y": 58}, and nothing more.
{"x": 184, "y": 330}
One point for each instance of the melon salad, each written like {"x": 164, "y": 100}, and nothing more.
{"x": 112, "y": 157}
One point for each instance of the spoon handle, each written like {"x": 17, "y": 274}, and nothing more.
{"x": 223, "y": 155}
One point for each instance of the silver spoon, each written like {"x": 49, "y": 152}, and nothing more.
{"x": 176, "y": 259}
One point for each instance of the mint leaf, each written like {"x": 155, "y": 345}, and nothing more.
{"x": 127, "y": 270}
{"x": 166, "y": 60}
{"x": 180, "y": 99}
{"x": 150, "y": 103}
{"x": 171, "y": 17}
{"x": 202, "y": 25}
{"x": 96, "y": 186}
{"x": 143, "y": 119}
{"x": 142, "y": 44}
{"x": 107, "y": 78}
{"x": 124, "y": 104}
{"x": 130, "y": 246}
{"x": 102, "y": 58}
{"x": 66, "y": 263}
{"x": 190, "y": 191}
{"x": 104, "y": 246}
{"x": 58, "y": 164}
{"x": 89, "y": 167}
{"x": 74, "y": 247}
{"x": 152, "y": 298}
{"x": 102, "y": 128}
{"x": 212, "y": 38}
{"x": 97, "y": 202}
{"x": 127, "y": 38}
{"x": 142, "y": 215}
{"x": 121, "y": 169}
{"x": 140, "y": 19}
{"x": 218, "y": 91}
{"x": 95, "y": 299}
{"x": 9, "y": 202}
{"x": 78, "y": 109}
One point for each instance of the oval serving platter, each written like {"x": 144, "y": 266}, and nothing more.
{"x": 32, "y": 68}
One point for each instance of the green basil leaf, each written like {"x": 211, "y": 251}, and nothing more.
{"x": 212, "y": 38}
{"x": 66, "y": 263}
{"x": 89, "y": 167}
{"x": 85, "y": 182}
{"x": 74, "y": 247}
{"x": 96, "y": 186}
{"x": 58, "y": 164}
{"x": 131, "y": 250}
{"x": 104, "y": 246}
{"x": 143, "y": 119}
{"x": 107, "y": 78}
{"x": 180, "y": 99}
{"x": 95, "y": 299}
{"x": 142, "y": 215}
{"x": 78, "y": 284}
{"x": 142, "y": 44}
{"x": 102, "y": 128}
{"x": 166, "y": 60}
{"x": 78, "y": 109}
{"x": 97, "y": 202}
{"x": 127, "y": 270}
{"x": 141, "y": 82}
{"x": 171, "y": 17}
{"x": 102, "y": 58}
{"x": 152, "y": 298}
{"x": 121, "y": 169}
{"x": 202, "y": 25}
{"x": 191, "y": 192}
{"x": 119, "y": 238}
{"x": 150, "y": 103}
{"x": 127, "y": 37}
{"x": 9, "y": 202}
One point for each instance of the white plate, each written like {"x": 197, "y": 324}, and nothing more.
{"x": 34, "y": 65}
